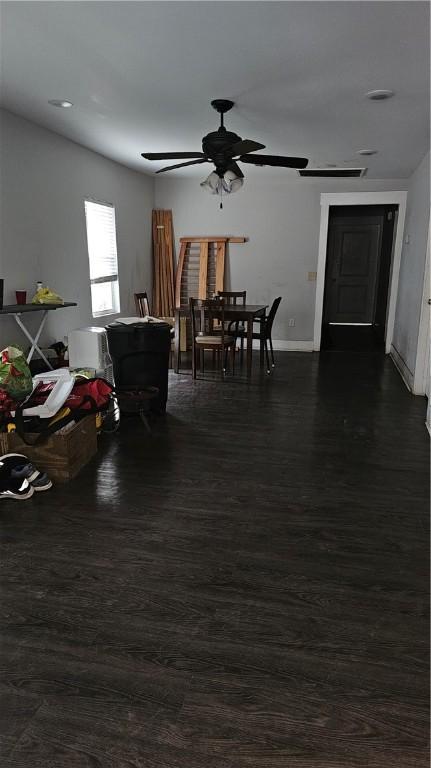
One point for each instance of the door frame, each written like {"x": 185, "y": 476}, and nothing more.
{"x": 359, "y": 198}
{"x": 420, "y": 378}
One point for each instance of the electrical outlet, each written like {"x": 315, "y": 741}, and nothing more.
{"x": 291, "y": 322}
{"x": 312, "y": 276}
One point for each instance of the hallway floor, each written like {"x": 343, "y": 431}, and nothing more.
{"x": 247, "y": 588}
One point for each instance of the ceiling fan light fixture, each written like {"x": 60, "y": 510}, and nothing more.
{"x": 232, "y": 182}
{"x": 211, "y": 183}
{"x": 229, "y": 183}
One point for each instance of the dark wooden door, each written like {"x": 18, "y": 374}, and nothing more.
{"x": 352, "y": 269}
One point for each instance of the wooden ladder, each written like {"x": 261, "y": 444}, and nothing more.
{"x": 200, "y": 271}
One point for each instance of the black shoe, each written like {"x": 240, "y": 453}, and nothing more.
{"x": 11, "y": 488}
{"x": 19, "y": 467}
{"x": 41, "y": 482}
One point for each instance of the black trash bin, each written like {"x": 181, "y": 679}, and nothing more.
{"x": 140, "y": 357}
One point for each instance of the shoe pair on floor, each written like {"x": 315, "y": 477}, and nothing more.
{"x": 19, "y": 478}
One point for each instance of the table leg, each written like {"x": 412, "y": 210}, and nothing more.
{"x": 177, "y": 343}
{"x": 34, "y": 341}
{"x": 249, "y": 346}
{"x": 262, "y": 345}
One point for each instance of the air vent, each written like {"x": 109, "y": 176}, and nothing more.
{"x": 333, "y": 173}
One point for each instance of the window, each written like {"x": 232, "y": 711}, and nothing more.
{"x": 102, "y": 257}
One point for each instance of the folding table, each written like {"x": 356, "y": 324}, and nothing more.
{"x": 16, "y": 310}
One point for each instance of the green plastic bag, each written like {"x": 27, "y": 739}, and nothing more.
{"x": 15, "y": 375}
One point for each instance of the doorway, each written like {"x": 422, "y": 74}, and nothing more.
{"x": 357, "y": 276}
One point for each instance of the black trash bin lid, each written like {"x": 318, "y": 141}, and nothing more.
{"x": 117, "y": 325}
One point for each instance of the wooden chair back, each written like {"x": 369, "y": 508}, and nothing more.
{"x": 204, "y": 314}
{"x": 142, "y": 304}
{"x": 271, "y": 315}
{"x": 233, "y": 297}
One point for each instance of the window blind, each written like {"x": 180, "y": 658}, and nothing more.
{"x": 102, "y": 257}
{"x": 102, "y": 241}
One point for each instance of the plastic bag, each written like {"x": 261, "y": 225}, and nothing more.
{"x": 87, "y": 395}
{"x": 46, "y": 296}
{"x": 15, "y": 375}
{"x": 90, "y": 395}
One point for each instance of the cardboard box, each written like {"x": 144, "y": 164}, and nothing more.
{"x": 63, "y": 454}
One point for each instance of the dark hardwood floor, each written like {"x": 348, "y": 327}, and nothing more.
{"x": 247, "y": 588}
{"x": 352, "y": 338}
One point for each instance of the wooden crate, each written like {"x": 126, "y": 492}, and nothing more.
{"x": 63, "y": 454}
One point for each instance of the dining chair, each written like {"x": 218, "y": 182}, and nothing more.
{"x": 265, "y": 333}
{"x": 205, "y": 313}
{"x": 235, "y": 298}
{"x": 143, "y": 310}
{"x": 142, "y": 304}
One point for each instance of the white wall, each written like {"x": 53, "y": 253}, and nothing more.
{"x": 280, "y": 215}
{"x": 410, "y": 287}
{"x": 44, "y": 181}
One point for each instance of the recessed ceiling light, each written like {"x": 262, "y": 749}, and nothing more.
{"x": 380, "y": 95}
{"x": 60, "y": 103}
{"x": 367, "y": 152}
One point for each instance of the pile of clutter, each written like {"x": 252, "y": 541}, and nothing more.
{"x": 32, "y": 409}
{"x": 19, "y": 478}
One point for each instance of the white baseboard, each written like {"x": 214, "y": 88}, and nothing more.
{"x": 402, "y": 367}
{"x": 284, "y": 345}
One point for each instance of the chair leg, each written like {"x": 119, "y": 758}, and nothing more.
{"x": 224, "y": 358}
{"x": 202, "y": 360}
{"x": 233, "y": 358}
{"x": 272, "y": 352}
{"x": 268, "y": 367}
{"x": 194, "y": 361}
{"x": 262, "y": 343}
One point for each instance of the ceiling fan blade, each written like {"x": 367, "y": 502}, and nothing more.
{"x": 275, "y": 160}
{"x": 236, "y": 169}
{"x": 183, "y": 165}
{"x": 243, "y": 147}
{"x": 170, "y": 155}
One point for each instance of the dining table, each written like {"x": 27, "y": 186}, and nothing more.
{"x": 241, "y": 313}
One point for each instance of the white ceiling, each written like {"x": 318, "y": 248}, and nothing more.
{"x": 141, "y": 76}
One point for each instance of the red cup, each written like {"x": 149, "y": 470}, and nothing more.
{"x": 21, "y": 297}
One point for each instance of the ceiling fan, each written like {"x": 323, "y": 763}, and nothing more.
{"x": 225, "y": 149}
